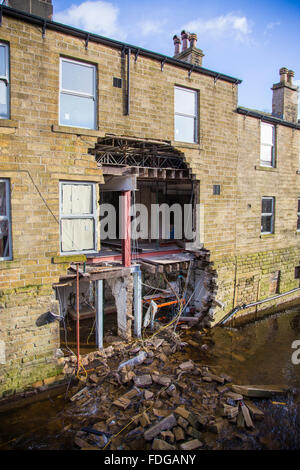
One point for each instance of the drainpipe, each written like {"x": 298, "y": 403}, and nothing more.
{"x": 128, "y": 82}
{"x": 244, "y": 306}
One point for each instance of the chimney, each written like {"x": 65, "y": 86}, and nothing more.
{"x": 285, "y": 97}
{"x": 42, "y": 8}
{"x": 184, "y": 37}
{"x": 189, "y": 53}
{"x": 193, "y": 40}
{"x": 177, "y": 43}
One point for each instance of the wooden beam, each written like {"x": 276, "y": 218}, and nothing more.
{"x": 110, "y": 274}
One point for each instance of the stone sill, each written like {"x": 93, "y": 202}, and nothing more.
{"x": 8, "y": 123}
{"x": 267, "y": 235}
{"x": 68, "y": 259}
{"x": 77, "y": 131}
{"x": 265, "y": 168}
{"x": 187, "y": 145}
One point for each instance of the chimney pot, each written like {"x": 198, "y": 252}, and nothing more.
{"x": 290, "y": 76}
{"x": 177, "y": 43}
{"x": 283, "y": 74}
{"x": 193, "y": 39}
{"x": 184, "y": 37}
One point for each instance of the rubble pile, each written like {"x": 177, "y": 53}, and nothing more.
{"x": 144, "y": 396}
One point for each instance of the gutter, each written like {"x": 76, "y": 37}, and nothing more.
{"x": 48, "y": 24}
{"x": 265, "y": 117}
{"x": 244, "y": 306}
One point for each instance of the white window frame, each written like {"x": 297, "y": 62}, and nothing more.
{"x": 65, "y": 91}
{"x": 264, "y": 162}
{"x": 194, "y": 116}
{"x": 298, "y": 213}
{"x": 91, "y": 216}
{"x": 7, "y": 217}
{"x": 5, "y": 79}
{"x": 268, "y": 214}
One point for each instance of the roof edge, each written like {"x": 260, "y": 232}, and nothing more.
{"x": 266, "y": 117}
{"x": 111, "y": 42}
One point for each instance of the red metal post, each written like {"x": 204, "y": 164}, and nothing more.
{"x": 126, "y": 240}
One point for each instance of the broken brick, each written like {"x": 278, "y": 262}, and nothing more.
{"x": 191, "y": 445}
{"x": 159, "y": 444}
{"x": 167, "y": 423}
{"x": 142, "y": 380}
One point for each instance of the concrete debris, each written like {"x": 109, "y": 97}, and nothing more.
{"x": 159, "y": 444}
{"x": 142, "y": 380}
{"x": 134, "y": 361}
{"x": 189, "y": 365}
{"x": 255, "y": 412}
{"x": 152, "y": 396}
{"x": 167, "y": 423}
{"x": 191, "y": 445}
{"x": 247, "y": 417}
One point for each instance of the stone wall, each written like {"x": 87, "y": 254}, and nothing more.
{"x": 36, "y": 153}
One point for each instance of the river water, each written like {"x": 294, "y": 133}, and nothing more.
{"x": 258, "y": 353}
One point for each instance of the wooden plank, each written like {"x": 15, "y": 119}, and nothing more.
{"x": 149, "y": 268}
{"x": 110, "y": 274}
{"x": 165, "y": 260}
{"x": 260, "y": 391}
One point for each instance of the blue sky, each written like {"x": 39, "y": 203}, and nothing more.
{"x": 247, "y": 39}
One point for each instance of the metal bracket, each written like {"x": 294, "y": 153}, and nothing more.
{"x": 87, "y": 40}
{"x": 162, "y": 64}
{"x": 136, "y": 55}
{"x": 235, "y": 83}
{"x": 123, "y": 52}
{"x": 216, "y": 78}
{"x": 44, "y": 29}
{"x": 190, "y": 71}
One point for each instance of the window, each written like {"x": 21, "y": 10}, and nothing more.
{"x": 298, "y": 216}
{"x": 185, "y": 115}
{"x": 77, "y": 94}
{"x": 5, "y": 221}
{"x": 77, "y": 217}
{"x": 267, "y": 144}
{"x": 267, "y": 215}
{"x": 4, "y": 82}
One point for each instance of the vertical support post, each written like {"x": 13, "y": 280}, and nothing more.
{"x": 77, "y": 316}
{"x": 99, "y": 313}
{"x": 137, "y": 294}
{"x": 126, "y": 240}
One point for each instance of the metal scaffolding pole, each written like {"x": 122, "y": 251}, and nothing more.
{"x": 137, "y": 293}
{"x": 99, "y": 313}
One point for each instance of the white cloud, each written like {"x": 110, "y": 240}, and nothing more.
{"x": 230, "y": 25}
{"x": 148, "y": 27}
{"x": 271, "y": 26}
{"x": 99, "y": 17}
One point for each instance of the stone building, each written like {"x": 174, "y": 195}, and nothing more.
{"x": 85, "y": 119}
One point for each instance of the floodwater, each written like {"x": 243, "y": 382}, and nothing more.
{"x": 258, "y": 353}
